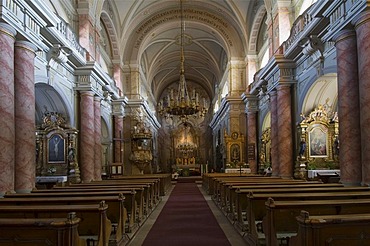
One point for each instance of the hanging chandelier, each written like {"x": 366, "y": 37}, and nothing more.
{"x": 181, "y": 103}
{"x": 186, "y": 148}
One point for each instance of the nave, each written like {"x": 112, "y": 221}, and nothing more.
{"x": 207, "y": 226}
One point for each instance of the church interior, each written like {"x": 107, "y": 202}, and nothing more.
{"x": 114, "y": 111}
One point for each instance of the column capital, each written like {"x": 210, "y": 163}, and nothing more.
{"x": 97, "y": 98}
{"x": 87, "y": 93}
{"x": 7, "y": 29}
{"x": 118, "y": 108}
{"x": 273, "y": 92}
{"x": 362, "y": 18}
{"x": 344, "y": 34}
{"x": 251, "y": 102}
{"x": 23, "y": 44}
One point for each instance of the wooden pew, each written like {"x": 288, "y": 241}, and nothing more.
{"x": 152, "y": 186}
{"x": 136, "y": 207}
{"x": 164, "y": 180}
{"x": 116, "y": 212}
{"x": 342, "y": 229}
{"x": 208, "y": 179}
{"x": 218, "y": 182}
{"x": 226, "y": 196}
{"x": 221, "y": 184}
{"x": 239, "y": 200}
{"x": 280, "y": 220}
{"x": 256, "y": 210}
{"x": 228, "y": 193}
{"x": 41, "y": 231}
{"x": 94, "y": 226}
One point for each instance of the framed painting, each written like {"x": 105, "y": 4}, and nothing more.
{"x": 56, "y": 149}
{"x": 318, "y": 141}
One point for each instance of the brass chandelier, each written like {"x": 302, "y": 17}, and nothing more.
{"x": 181, "y": 103}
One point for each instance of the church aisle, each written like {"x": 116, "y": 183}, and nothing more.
{"x": 187, "y": 217}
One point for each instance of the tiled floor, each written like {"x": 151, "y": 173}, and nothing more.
{"x": 234, "y": 237}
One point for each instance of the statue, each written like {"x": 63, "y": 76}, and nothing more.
{"x": 302, "y": 148}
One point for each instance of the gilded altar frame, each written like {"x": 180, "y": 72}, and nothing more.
{"x": 265, "y": 150}
{"x": 234, "y": 149}
{"x": 56, "y": 148}
{"x": 318, "y": 142}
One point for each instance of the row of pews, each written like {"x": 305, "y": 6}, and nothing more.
{"x": 274, "y": 211}
{"x": 100, "y": 213}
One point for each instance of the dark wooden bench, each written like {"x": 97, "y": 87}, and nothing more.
{"x": 280, "y": 221}
{"x": 136, "y": 202}
{"x": 94, "y": 226}
{"x": 256, "y": 210}
{"x": 239, "y": 201}
{"x": 342, "y": 229}
{"x": 164, "y": 180}
{"x": 328, "y": 177}
{"x": 228, "y": 195}
{"x": 219, "y": 183}
{"x": 41, "y": 231}
{"x": 210, "y": 179}
{"x": 116, "y": 203}
{"x": 151, "y": 187}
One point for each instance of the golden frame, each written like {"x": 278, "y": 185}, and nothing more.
{"x": 318, "y": 141}
{"x": 235, "y": 153}
{"x": 317, "y": 136}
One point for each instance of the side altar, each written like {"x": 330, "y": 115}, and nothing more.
{"x": 56, "y": 150}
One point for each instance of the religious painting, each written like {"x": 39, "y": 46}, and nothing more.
{"x": 235, "y": 153}
{"x": 318, "y": 139}
{"x": 56, "y": 149}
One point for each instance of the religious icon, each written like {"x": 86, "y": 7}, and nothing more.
{"x": 318, "y": 142}
{"x": 56, "y": 149}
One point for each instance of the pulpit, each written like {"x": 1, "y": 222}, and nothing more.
{"x": 141, "y": 146}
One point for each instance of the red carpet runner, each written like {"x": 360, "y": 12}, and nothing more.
{"x": 187, "y": 220}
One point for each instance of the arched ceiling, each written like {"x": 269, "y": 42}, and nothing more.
{"x": 216, "y": 31}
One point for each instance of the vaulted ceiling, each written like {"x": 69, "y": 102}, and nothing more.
{"x": 216, "y": 32}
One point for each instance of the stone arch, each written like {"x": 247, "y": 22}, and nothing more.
{"x": 322, "y": 90}
{"x": 112, "y": 33}
{"x": 52, "y": 99}
{"x": 256, "y": 27}
{"x": 106, "y": 143}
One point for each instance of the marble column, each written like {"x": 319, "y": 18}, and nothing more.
{"x": 252, "y": 138}
{"x": 118, "y": 135}
{"x": 97, "y": 135}
{"x": 363, "y": 52}
{"x": 24, "y": 95}
{"x": 86, "y": 34}
{"x": 283, "y": 22}
{"x": 117, "y": 76}
{"x": 87, "y": 136}
{"x": 7, "y": 132}
{"x": 274, "y": 134}
{"x": 348, "y": 108}
{"x": 285, "y": 140}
